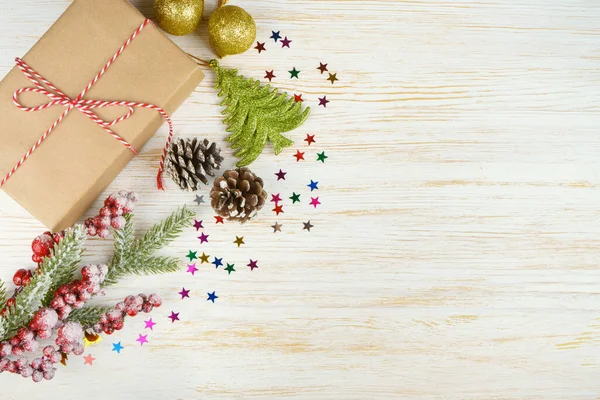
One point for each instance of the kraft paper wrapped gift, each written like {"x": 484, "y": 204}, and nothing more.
{"x": 79, "y": 159}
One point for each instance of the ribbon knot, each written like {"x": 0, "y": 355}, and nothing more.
{"x": 85, "y": 106}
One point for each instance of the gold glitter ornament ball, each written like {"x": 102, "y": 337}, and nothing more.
{"x": 178, "y": 17}
{"x": 231, "y": 30}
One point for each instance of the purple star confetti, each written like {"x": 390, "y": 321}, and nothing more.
{"x": 149, "y": 324}
{"x": 184, "y": 293}
{"x": 198, "y": 225}
{"x": 253, "y": 264}
{"x": 174, "y": 316}
{"x": 280, "y": 175}
{"x": 203, "y": 238}
{"x": 323, "y": 101}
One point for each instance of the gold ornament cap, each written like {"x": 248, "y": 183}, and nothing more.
{"x": 231, "y": 30}
{"x": 178, "y": 17}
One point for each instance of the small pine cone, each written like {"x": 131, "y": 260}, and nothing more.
{"x": 238, "y": 195}
{"x": 189, "y": 162}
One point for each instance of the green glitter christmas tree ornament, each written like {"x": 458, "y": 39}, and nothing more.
{"x": 255, "y": 113}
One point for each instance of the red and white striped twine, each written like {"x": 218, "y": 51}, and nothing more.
{"x": 57, "y": 97}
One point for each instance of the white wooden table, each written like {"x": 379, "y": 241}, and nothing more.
{"x": 456, "y": 251}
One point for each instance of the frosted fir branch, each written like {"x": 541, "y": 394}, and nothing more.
{"x": 88, "y": 316}
{"x": 2, "y": 293}
{"x": 65, "y": 256}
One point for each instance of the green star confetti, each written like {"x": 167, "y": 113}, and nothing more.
{"x": 321, "y": 157}
{"x": 192, "y": 255}
{"x": 230, "y": 269}
{"x": 295, "y": 198}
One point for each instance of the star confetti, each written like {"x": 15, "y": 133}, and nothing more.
{"x": 310, "y": 139}
{"x": 212, "y": 297}
{"x": 88, "y": 360}
{"x": 314, "y": 201}
{"x": 184, "y": 293}
{"x": 299, "y": 155}
{"x": 280, "y": 175}
{"x": 333, "y": 78}
{"x": 117, "y": 347}
{"x": 321, "y": 157}
{"x": 203, "y": 238}
{"x": 276, "y": 227}
{"x": 204, "y": 258}
{"x": 230, "y": 269}
{"x": 142, "y": 339}
{"x": 192, "y": 268}
{"x": 285, "y": 43}
{"x": 90, "y": 339}
{"x": 198, "y": 225}
{"x": 323, "y": 101}
{"x": 239, "y": 241}
{"x": 275, "y": 198}
{"x": 253, "y": 264}
{"x": 218, "y": 219}
{"x": 313, "y": 185}
{"x": 149, "y": 324}
{"x": 260, "y": 47}
{"x": 322, "y": 67}
{"x": 275, "y": 36}
{"x": 218, "y": 262}
{"x": 192, "y": 255}
{"x": 269, "y": 75}
{"x": 294, "y": 73}
{"x": 298, "y": 98}
{"x": 174, "y": 316}
{"x": 278, "y": 209}
{"x": 199, "y": 199}
{"x": 295, "y": 198}
{"x": 307, "y": 225}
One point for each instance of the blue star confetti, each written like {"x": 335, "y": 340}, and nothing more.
{"x": 275, "y": 35}
{"x": 212, "y": 297}
{"x": 218, "y": 262}
{"x": 117, "y": 347}
{"x": 313, "y": 185}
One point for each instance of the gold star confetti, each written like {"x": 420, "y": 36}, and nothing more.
{"x": 239, "y": 241}
{"x": 204, "y": 258}
{"x": 276, "y": 227}
{"x": 90, "y": 339}
{"x": 333, "y": 78}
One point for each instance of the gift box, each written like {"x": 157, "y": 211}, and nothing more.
{"x": 81, "y": 156}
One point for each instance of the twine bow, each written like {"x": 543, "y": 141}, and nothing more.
{"x": 57, "y": 97}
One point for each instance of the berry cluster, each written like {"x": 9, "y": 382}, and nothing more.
{"x": 74, "y": 295}
{"x": 111, "y": 214}
{"x": 70, "y": 338}
{"x": 42, "y": 245}
{"x": 113, "y": 320}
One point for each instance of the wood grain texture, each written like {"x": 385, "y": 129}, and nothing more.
{"x": 456, "y": 252}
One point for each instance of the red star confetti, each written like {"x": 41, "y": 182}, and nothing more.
{"x": 218, "y": 219}
{"x": 269, "y": 75}
{"x": 260, "y": 47}
{"x": 253, "y": 264}
{"x": 275, "y": 198}
{"x": 298, "y": 98}
{"x": 285, "y": 43}
{"x": 280, "y": 175}
{"x": 314, "y": 201}
{"x": 88, "y": 360}
{"x": 310, "y": 139}
{"x": 322, "y": 67}
{"x": 278, "y": 209}
{"x": 323, "y": 101}
{"x": 299, "y": 155}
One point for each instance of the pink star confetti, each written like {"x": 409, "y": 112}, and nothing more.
{"x": 314, "y": 201}
{"x": 149, "y": 324}
{"x": 253, "y": 264}
{"x": 198, "y": 225}
{"x": 88, "y": 360}
{"x": 203, "y": 238}
{"x": 184, "y": 293}
{"x": 174, "y": 316}
{"x": 275, "y": 198}
{"x": 142, "y": 339}
{"x": 192, "y": 268}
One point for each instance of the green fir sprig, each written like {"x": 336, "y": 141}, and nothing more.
{"x": 88, "y": 316}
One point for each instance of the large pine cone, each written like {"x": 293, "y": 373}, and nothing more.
{"x": 189, "y": 162}
{"x": 238, "y": 195}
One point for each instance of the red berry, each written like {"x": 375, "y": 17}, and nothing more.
{"x": 37, "y": 376}
{"x": 48, "y": 351}
{"x": 108, "y": 330}
{"x": 26, "y": 279}
{"x": 118, "y": 325}
{"x": 103, "y": 233}
{"x": 18, "y": 350}
{"x": 10, "y": 302}
{"x": 42, "y": 245}
{"x": 19, "y": 275}
{"x": 25, "y": 334}
{"x": 12, "y": 367}
{"x": 105, "y": 211}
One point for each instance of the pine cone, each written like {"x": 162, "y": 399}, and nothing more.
{"x": 238, "y": 195}
{"x": 190, "y": 161}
